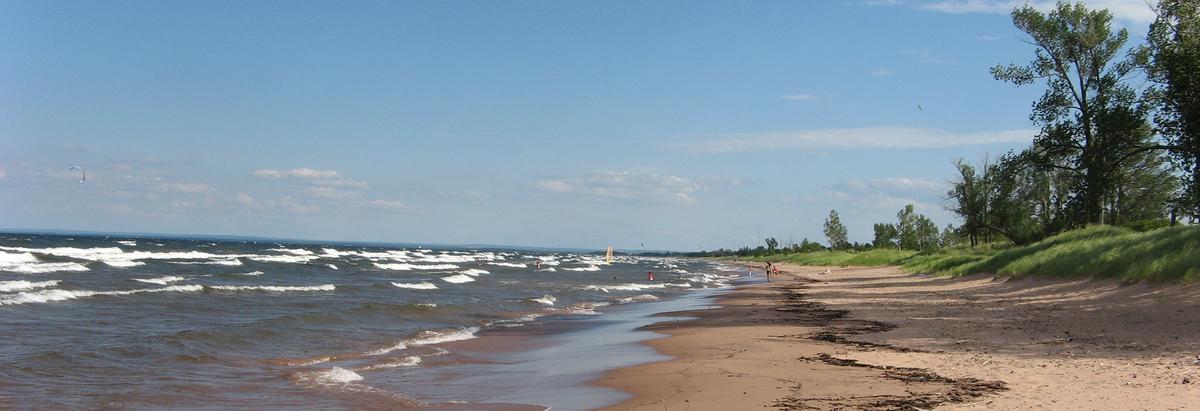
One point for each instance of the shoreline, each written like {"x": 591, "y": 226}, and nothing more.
{"x": 878, "y": 338}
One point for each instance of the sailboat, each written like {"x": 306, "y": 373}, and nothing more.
{"x": 608, "y": 259}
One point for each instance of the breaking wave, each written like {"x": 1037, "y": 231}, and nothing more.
{"x": 417, "y": 286}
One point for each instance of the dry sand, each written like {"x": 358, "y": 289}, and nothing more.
{"x": 877, "y": 338}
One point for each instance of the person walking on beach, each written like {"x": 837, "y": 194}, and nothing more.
{"x": 767, "y": 272}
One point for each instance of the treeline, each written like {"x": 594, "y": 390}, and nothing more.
{"x": 1119, "y": 140}
{"x": 911, "y": 231}
{"x": 1110, "y": 151}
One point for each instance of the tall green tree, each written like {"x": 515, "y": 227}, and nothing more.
{"x": 906, "y": 228}
{"x": 835, "y": 232}
{"x": 1089, "y": 117}
{"x": 1172, "y": 60}
{"x": 885, "y": 236}
{"x": 772, "y": 245}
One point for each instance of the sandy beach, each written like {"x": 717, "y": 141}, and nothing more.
{"x": 878, "y": 338}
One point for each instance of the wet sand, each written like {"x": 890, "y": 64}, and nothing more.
{"x": 877, "y": 338}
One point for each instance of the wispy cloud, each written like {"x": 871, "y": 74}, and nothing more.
{"x": 304, "y": 173}
{"x": 330, "y": 193}
{"x": 880, "y": 72}
{"x": 1134, "y": 11}
{"x": 890, "y": 193}
{"x": 799, "y": 97}
{"x": 386, "y": 204}
{"x": 632, "y": 185}
{"x": 853, "y": 138}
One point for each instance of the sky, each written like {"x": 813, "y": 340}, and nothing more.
{"x": 664, "y": 125}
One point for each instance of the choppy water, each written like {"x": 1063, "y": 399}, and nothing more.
{"x": 89, "y": 322}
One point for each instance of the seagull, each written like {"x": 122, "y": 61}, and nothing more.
{"x": 920, "y": 108}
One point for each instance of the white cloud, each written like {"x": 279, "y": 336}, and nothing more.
{"x": 244, "y": 199}
{"x": 1133, "y": 11}
{"x": 333, "y": 193}
{"x": 854, "y": 138}
{"x": 629, "y": 185}
{"x": 889, "y": 194}
{"x": 799, "y": 97}
{"x": 303, "y": 173}
{"x": 880, "y": 72}
{"x": 341, "y": 182}
{"x": 385, "y": 204}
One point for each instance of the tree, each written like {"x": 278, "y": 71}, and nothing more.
{"x": 885, "y": 236}
{"x": 772, "y": 245}
{"x": 1172, "y": 60}
{"x": 906, "y": 228}
{"x": 1090, "y": 120}
{"x": 836, "y": 232}
{"x": 970, "y": 192}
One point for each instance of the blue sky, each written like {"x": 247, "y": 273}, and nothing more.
{"x": 673, "y": 124}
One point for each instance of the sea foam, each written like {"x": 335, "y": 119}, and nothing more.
{"x": 458, "y": 279}
{"x": 10, "y": 286}
{"x": 417, "y": 286}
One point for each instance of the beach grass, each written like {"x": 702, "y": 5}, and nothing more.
{"x": 1170, "y": 254}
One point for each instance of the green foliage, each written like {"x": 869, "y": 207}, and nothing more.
{"x": 1091, "y": 120}
{"x": 836, "y": 232}
{"x": 869, "y": 258}
{"x": 1171, "y": 58}
{"x": 886, "y": 236}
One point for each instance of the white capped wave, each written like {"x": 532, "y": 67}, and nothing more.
{"x": 546, "y": 299}
{"x": 430, "y": 337}
{"x": 26, "y": 263}
{"x": 514, "y": 265}
{"x": 584, "y": 308}
{"x": 292, "y": 251}
{"x": 220, "y": 261}
{"x": 274, "y": 288}
{"x": 447, "y": 258}
{"x": 45, "y": 296}
{"x": 335, "y": 375}
{"x": 444, "y": 336}
{"x": 22, "y": 258}
{"x": 473, "y": 272}
{"x": 253, "y": 273}
{"x": 643, "y": 297}
{"x": 407, "y": 267}
{"x": 588, "y": 268}
{"x": 117, "y": 257}
{"x": 331, "y": 266}
{"x": 417, "y": 286}
{"x": 458, "y": 279}
{"x": 294, "y": 259}
{"x": 128, "y": 243}
{"x": 409, "y": 361}
{"x": 430, "y": 305}
{"x": 123, "y": 263}
{"x": 21, "y": 285}
{"x": 549, "y": 270}
{"x": 160, "y": 280}
{"x": 625, "y": 287}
